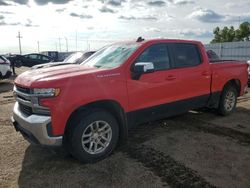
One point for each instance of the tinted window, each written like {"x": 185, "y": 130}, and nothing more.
{"x": 186, "y": 55}
{"x": 158, "y": 55}
{"x": 45, "y": 58}
{"x": 32, "y": 56}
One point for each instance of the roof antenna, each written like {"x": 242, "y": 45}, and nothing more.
{"x": 140, "y": 39}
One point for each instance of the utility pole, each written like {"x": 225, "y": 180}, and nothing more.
{"x": 56, "y": 45}
{"x": 67, "y": 48}
{"x": 60, "y": 44}
{"x": 38, "y": 46}
{"x": 76, "y": 40}
{"x": 19, "y": 39}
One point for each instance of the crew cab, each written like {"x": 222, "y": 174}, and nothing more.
{"x": 89, "y": 108}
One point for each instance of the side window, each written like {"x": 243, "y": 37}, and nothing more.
{"x": 32, "y": 56}
{"x": 185, "y": 55}
{"x": 45, "y": 58}
{"x": 158, "y": 55}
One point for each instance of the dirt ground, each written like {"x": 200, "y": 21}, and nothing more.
{"x": 197, "y": 149}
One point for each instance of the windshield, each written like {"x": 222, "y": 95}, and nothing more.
{"x": 111, "y": 56}
{"x": 73, "y": 57}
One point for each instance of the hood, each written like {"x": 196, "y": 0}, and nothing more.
{"x": 32, "y": 77}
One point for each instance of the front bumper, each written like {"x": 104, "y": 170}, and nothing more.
{"x": 34, "y": 128}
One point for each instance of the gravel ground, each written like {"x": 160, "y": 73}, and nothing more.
{"x": 197, "y": 149}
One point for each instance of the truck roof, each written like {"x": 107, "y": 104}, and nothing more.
{"x": 159, "y": 40}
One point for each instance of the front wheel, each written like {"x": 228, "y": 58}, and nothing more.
{"x": 94, "y": 137}
{"x": 228, "y": 100}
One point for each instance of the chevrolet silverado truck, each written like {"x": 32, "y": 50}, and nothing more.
{"x": 88, "y": 109}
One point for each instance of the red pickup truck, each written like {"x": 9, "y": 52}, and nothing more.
{"x": 89, "y": 108}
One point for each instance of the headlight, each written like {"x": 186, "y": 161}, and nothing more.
{"x": 48, "y": 92}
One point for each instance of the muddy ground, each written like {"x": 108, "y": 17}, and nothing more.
{"x": 197, "y": 149}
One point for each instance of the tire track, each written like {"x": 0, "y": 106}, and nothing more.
{"x": 207, "y": 127}
{"x": 243, "y": 99}
{"x": 7, "y": 101}
{"x": 5, "y": 122}
{"x": 172, "y": 172}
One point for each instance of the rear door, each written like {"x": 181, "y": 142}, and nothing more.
{"x": 194, "y": 72}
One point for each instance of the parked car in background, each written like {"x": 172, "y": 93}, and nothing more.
{"x": 53, "y": 54}
{"x": 88, "y": 108}
{"x": 248, "y": 62}
{"x": 75, "y": 58}
{"x": 5, "y": 70}
{"x": 29, "y": 60}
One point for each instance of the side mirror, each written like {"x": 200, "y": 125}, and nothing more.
{"x": 144, "y": 67}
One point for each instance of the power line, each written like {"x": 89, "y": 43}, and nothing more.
{"x": 19, "y": 39}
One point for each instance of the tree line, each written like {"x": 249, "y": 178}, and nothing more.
{"x": 230, "y": 34}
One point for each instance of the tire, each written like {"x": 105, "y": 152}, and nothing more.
{"x": 89, "y": 144}
{"x": 228, "y": 100}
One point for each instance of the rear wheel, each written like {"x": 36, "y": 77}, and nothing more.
{"x": 94, "y": 137}
{"x": 228, "y": 100}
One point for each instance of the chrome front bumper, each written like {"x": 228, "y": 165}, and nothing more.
{"x": 34, "y": 128}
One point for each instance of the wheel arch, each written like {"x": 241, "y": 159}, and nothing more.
{"x": 109, "y": 105}
{"x": 234, "y": 82}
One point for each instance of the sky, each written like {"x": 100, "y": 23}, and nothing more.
{"x": 90, "y": 24}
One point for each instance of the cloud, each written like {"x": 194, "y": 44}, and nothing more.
{"x": 147, "y": 18}
{"x": 183, "y": 2}
{"x": 3, "y": 3}
{"x": 6, "y": 12}
{"x": 237, "y": 5}
{"x": 127, "y": 17}
{"x": 210, "y": 16}
{"x": 45, "y": 2}
{"x": 3, "y": 23}
{"x": 23, "y": 2}
{"x": 27, "y": 24}
{"x": 153, "y": 29}
{"x": 6, "y": 2}
{"x": 60, "y": 10}
{"x": 196, "y": 33}
{"x": 82, "y": 16}
{"x": 115, "y": 2}
{"x": 105, "y": 9}
{"x": 30, "y": 24}
{"x": 157, "y": 3}
{"x": 206, "y": 15}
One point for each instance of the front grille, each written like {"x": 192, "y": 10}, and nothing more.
{"x": 25, "y": 109}
{"x": 23, "y": 90}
